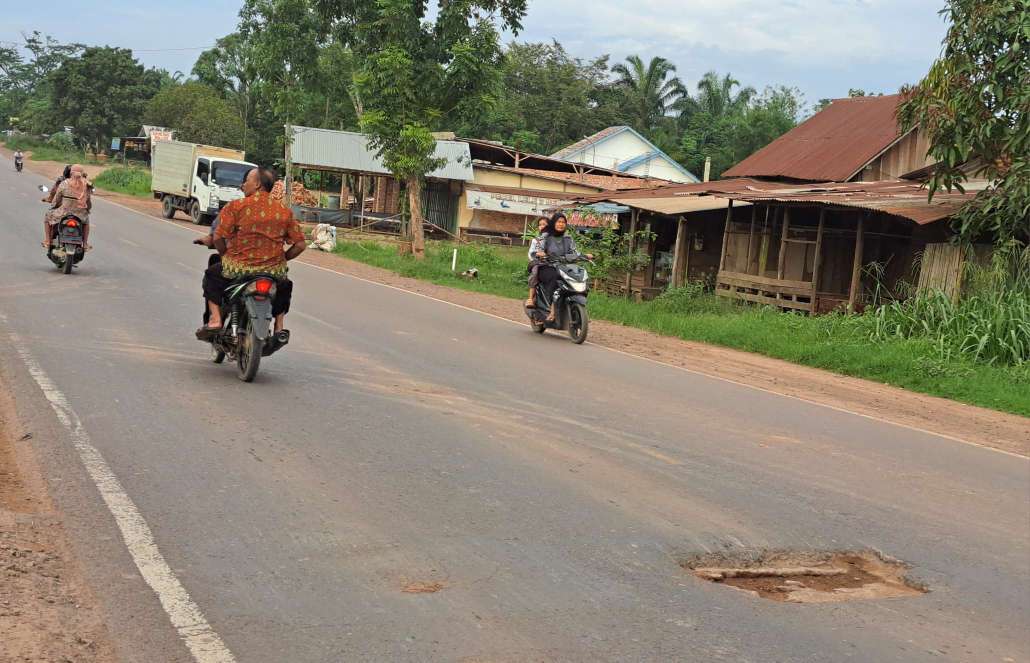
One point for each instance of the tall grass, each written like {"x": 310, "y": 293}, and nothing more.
{"x": 990, "y": 324}
{"x": 129, "y": 180}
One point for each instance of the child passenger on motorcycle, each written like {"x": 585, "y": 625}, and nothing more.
{"x": 536, "y": 259}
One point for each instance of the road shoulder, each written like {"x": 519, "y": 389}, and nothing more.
{"x": 47, "y": 610}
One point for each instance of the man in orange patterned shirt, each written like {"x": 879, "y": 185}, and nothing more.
{"x": 250, "y": 238}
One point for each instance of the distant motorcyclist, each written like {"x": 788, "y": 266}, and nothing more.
{"x": 18, "y": 159}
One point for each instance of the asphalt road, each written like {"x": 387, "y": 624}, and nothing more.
{"x": 551, "y": 490}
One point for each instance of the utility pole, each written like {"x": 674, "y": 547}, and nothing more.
{"x": 708, "y": 168}
{"x": 288, "y": 177}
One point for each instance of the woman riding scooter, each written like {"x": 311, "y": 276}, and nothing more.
{"x": 557, "y": 245}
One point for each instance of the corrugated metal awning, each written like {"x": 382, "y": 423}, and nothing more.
{"x": 674, "y": 205}
{"x": 349, "y": 151}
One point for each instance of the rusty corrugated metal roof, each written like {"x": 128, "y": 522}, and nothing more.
{"x": 832, "y": 145}
{"x": 907, "y": 200}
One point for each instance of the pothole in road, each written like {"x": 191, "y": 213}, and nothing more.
{"x": 808, "y": 577}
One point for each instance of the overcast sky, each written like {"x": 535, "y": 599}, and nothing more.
{"x": 822, "y": 47}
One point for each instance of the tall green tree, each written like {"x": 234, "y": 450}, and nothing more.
{"x": 716, "y": 96}
{"x": 24, "y": 79}
{"x": 650, "y": 90}
{"x": 230, "y": 68}
{"x": 974, "y": 105}
{"x": 198, "y": 114}
{"x": 102, "y": 93}
{"x": 550, "y": 99}
{"x": 420, "y": 73}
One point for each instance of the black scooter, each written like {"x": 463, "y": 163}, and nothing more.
{"x": 67, "y": 241}
{"x": 18, "y": 165}
{"x": 246, "y": 336}
{"x": 570, "y": 296}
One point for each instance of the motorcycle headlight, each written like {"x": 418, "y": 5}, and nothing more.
{"x": 578, "y": 287}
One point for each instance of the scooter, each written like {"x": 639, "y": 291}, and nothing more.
{"x": 67, "y": 241}
{"x": 18, "y": 165}
{"x": 570, "y": 298}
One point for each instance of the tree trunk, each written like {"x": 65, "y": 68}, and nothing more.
{"x": 418, "y": 240}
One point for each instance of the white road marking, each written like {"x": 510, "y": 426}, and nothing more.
{"x": 129, "y": 242}
{"x": 202, "y": 641}
{"x": 692, "y": 371}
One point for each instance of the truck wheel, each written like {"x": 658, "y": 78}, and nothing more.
{"x": 197, "y": 215}
{"x": 167, "y": 207}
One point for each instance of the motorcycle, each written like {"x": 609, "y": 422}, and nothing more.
{"x": 18, "y": 165}
{"x": 67, "y": 241}
{"x": 570, "y": 297}
{"x": 245, "y": 336}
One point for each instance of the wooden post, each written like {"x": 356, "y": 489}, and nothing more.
{"x": 751, "y": 238}
{"x": 634, "y": 215}
{"x": 856, "y": 265}
{"x": 726, "y": 235}
{"x": 649, "y": 274}
{"x": 763, "y": 252}
{"x": 679, "y": 253}
{"x": 781, "y": 265}
{"x": 817, "y": 260}
{"x": 288, "y": 177}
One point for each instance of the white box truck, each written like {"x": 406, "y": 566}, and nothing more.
{"x": 197, "y": 179}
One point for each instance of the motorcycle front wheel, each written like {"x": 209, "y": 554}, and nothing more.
{"x": 578, "y": 323}
{"x": 248, "y": 358}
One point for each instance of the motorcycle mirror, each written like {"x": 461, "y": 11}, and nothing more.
{"x": 44, "y": 188}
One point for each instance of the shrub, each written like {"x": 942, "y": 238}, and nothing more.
{"x": 133, "y": 181}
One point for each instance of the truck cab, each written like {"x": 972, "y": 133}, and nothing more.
{"x": 217, "y": 182}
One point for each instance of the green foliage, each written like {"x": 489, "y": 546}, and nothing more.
{"x": 728, "y": 126}
{"x": 102, "y": 94}
{"x": 132, "y": 181}
{"x": 198, "y": 114}
{"x": 611, "y": 250}
{"x": 989, "y": 324}
{"x": 973, "y": 105}
{"x": 550, "y": 99}
{"x": 25, "y": 84}
{"x": 648, "y": 90}
{"x": 61, "y": 141}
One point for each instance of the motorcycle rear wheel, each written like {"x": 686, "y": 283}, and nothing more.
{"x": 69, "y": 261}
{"x": 248, "y": 358}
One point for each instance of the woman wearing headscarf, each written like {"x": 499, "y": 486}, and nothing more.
{"x": 73, "y": 196}
{"x": 557, "y": 244}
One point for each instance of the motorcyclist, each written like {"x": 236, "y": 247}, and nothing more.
{"x": 71, "y": 197}
{"x": 250, "y": 238}
{"x": 557, "y": 245}
{"x": 18, "y": 159}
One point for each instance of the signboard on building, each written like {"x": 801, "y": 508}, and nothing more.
{"x": 116, "y": 144}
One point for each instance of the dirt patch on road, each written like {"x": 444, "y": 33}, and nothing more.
{"x": 47, "y": 613}
{"x": 813, "y": 577}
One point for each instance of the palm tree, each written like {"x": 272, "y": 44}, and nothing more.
{"x": 648, "y": 90}
{"x": 715, "y": 96}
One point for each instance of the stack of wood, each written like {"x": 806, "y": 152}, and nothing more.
{"x": 301, "y": 196}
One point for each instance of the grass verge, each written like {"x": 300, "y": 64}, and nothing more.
{"x": 843, "y": 344}
{"x": 128, "y": 180}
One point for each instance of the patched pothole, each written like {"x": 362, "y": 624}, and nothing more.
{"x": 808, "y": 577}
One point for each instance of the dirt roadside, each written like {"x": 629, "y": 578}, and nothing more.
{"x": 967, "y": 423}
{"x": 47, "y": 611}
